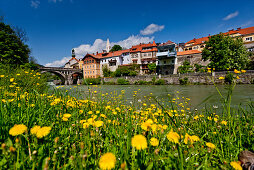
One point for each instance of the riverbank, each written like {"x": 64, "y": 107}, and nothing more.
{"x": 176, "y": 79}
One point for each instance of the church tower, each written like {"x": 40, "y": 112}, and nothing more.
{"x": 108, "y": 46}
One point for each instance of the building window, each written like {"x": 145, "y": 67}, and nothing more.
{"x": 250, "y": 49}
{"x": 92, "y": 61}
{"x": 85, "y": 72}
{"x": 93, "y": 71}
{"x": 135, "y": 61}
{"x": 248, "y": 39}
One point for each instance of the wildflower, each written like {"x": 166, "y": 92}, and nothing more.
{"x": 98, "y": 123}
{"x": 35, "y": 129}
{"x": 221, "y": 78}
{"x": 243, "y": 71}
{"x": 190, "y": 139}
{"x": 237, "y": 77}
{"x": 67, "y": 115}
{"x": 224, "y": 122}
{"x": 2, "y": 76}
{"x": 85, "y": 125}
{"x": 154, "y": 142}
{"x": 236, "y": 71}
{"x": 43, "y": 131}
{"x": 215, "y": 119}
{"x": 236, "y": 165}
{"x": 139, "y": 142}
{"x": 173, "y": 136}
{"x": 11, "y": 79}
{"x": 18, "y": 130}
{"x": 196, "y": 117}
{"x": 65, "y": 119}
{"x": 107, "y": 161}
{"x": 210, "y": 145}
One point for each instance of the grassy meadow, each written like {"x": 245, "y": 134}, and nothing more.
{"x": 53, "y": 130}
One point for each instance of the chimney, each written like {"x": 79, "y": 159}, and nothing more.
{"x": 238, "y": 28}
{"x": 97, "y": 52}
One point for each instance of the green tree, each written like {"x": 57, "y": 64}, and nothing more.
{"x": 106, "y": 71}
{"x": 152, "y": 67}
{"x": 12, "y": 50}
{"x": 185, "y": 68}
{"x": 225, "y": 52}
{"x": 116, "y": 48}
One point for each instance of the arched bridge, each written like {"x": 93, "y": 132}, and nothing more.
{"x": 65, "y": 74}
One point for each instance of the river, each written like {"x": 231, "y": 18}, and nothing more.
{"x": 200, "y": 95}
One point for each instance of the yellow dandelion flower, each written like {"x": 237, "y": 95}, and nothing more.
{"x": 85, "y": 125}
{"x": 173, "y": 136}
{"x": 154, "y": 142}
{"x": 221, "y": 78}
{"x": 243, "y": 71}
{"x": 224, "y": 122}
{"x": 18, "y": 130}
{"x": 98, "y": 123}
{"x": 65, "y": 119}
{"x": 11, "y": 79}
{"x": 35, "y": 129}
{"x": 107, "y": 161}
{"x": 196, "y": 117}
{"x": 139, "y": 142}
{"x": 66, "y": 115}
{"x": 43, "y": 131}
{"x": 210, "y": 145}
{"x": 236, "y": 165}
{"x": 2, "y": 76}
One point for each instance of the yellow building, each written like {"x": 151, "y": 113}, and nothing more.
{"x": 91, "y": 66}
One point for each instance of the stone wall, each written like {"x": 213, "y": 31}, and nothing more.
{"x": 193, "y": 78}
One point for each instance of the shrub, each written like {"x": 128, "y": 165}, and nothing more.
{"x": 160, "y": 82}
{"x": 109, "y": 83}
{"x": 133, "y": 73}
{"x": 185, "y": 68}
{"x": 142, "y": 82}
{"x": 184, "y": 81}
{"x": 92, "y": 81}
{"x": 122, "y": 81}
{"x": 106, "y": 71}
{"x": 229, "y": 78}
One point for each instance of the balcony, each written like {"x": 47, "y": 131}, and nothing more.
{"x": 166, "y": 54}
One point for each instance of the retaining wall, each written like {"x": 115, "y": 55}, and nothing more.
{"x": 193, "y": 78}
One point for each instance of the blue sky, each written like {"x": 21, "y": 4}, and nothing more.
{"x": 54, "y": 27}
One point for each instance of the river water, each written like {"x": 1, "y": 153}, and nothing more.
{"x": 200, "y": 95}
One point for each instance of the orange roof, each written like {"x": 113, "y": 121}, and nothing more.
{"x": 73, "y": 58}
{"x": 138, "y": 48}
{"x": 188, "y": 52}
{"x": 107, "y": 55}
{"x": 198, "y": 41}
{"x": 242, "y": 31}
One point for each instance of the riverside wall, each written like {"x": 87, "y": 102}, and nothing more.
{"x": 193, "y": 78}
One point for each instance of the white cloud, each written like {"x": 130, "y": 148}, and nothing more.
{"x": 152, "y": 28}
{"x": 246, "y": 24}
{"x": 100, "y": 45}
{"x": 58, "y": 63}
{"x": 230, "y": 16}
{"x": 55, "y": 1}
{"x": 35, "y": 4}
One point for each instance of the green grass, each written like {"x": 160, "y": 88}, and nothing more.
{"x": 78, "y": 142}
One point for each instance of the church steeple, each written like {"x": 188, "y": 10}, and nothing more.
{"x": 108, "y": 46}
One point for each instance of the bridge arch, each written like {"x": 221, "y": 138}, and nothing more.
{"x": 58, "y": 74}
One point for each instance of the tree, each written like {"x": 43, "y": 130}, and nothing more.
{"x": 106, "y": 71}
{"x": 152, "y": 67}
{"x": 185, "y": 68}
{"x": 12, "y": 50}
{"x": 116, "y": 48}
{"x": 225, "y": 52}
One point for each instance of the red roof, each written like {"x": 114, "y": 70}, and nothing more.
{"x": 139, "y": 48}
{"x": 198, "y": 41}
{"x": 242, "y": 31}
{"x": 106, "y": 55}
{"x": 167, "y": 43}
{"x": 73, "y": 58}
{"x": 188, "y": 52}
